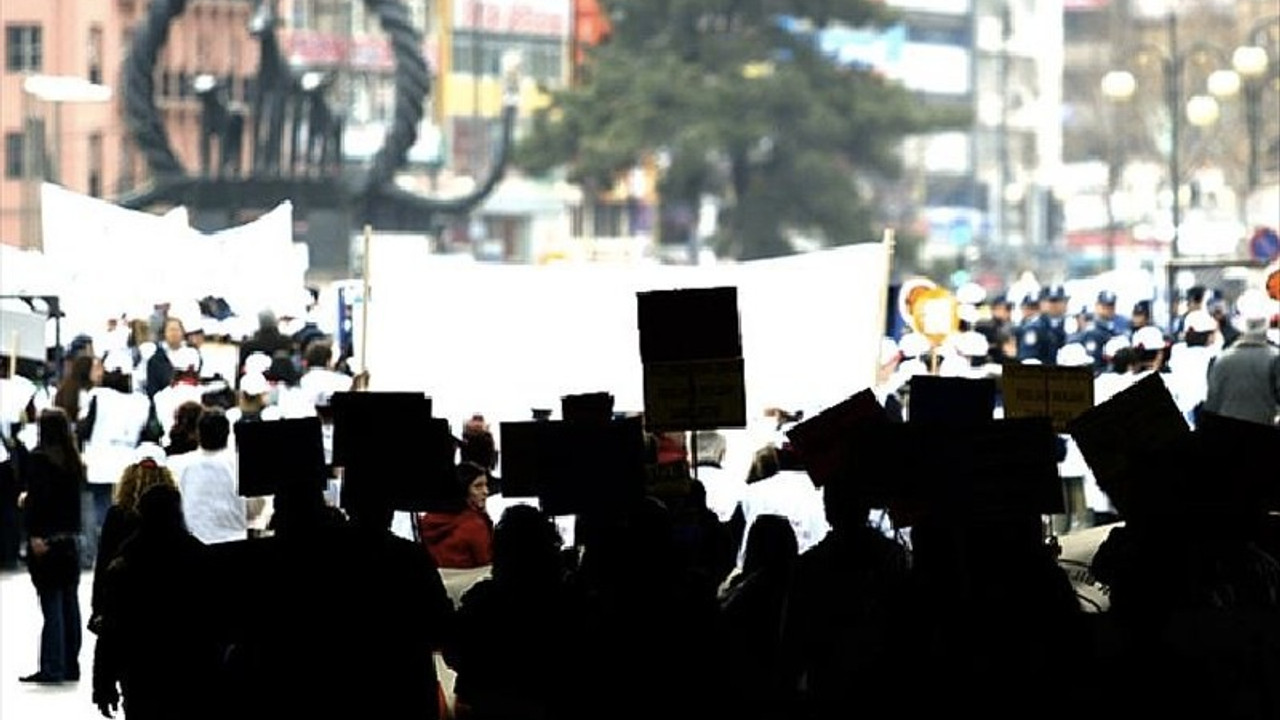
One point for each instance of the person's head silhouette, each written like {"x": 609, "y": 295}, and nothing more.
{"x": 526, "y": 547}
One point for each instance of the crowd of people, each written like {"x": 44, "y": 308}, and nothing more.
{"x": 684, "y": 602}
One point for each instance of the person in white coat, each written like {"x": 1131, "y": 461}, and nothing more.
{"x": 211, "y": 501}
{"x": 112, "y": 429}
{"x": 1189, "y": 362}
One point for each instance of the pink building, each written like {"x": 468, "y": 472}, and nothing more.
{"x": 87, "y": 145}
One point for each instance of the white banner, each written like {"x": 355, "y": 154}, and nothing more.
{"x": 108, "y": 260}
{"x": 504, "y": 339}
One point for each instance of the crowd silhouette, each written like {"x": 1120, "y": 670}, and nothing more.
{"x": 649, "y": 614}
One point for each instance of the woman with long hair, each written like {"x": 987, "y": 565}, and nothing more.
{"x": 73, "y": 390}
{"x": 122, "y": 517}
{"x": 55, "y": 476}
{"x": 461, "y": 537}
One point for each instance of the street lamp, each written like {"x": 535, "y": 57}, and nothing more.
{"x": 57, "y": 90}
{"x": 1256, "y": 66}
{"x": 1201, "y": 109}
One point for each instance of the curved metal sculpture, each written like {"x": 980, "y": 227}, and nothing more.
{"x": 362, "y": 189}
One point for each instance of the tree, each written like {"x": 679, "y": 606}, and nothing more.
{"x": 738, "y": 106}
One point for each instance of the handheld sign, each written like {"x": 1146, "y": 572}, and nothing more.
{"x": 822, "y": 441}
{"x": 574, "y": 467}
{"x": 683, "y": 325}
{"x": 951, "y": 400}
{"x": 1113, "y": 434}
{"x": 368, "y": 424}
{"x": 279, "y": 456}
{"x": 695, "y": 395}
{"x": 587, "y": 407}
{"x": 966, "y": 471}
{"x": 1058, "y": 393}
{"x": 416, "y": 477}
{"x": 693, "y": 371}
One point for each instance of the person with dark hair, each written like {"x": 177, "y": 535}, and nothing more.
{"x": 55, "y": 475}
{"x": 478, "y": 447}
{"x": 513, "y": 633}
{"x": 269, "y": 341}
{"x": 1195, "y": 300}
{"x": 211, "y": 499}
{"x": 170, "y": 357}
{"x": 183, "y": 432}
{"x": 754, "y": 606}
{"x": 461, "y": 536}
{"x": 73, "y": 390}
{"x": 158, "y": 651}
{"x": 319, "y": 380}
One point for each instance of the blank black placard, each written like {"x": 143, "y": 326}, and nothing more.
{"x": 276, "y": 455}
{"x": 572, "y": 467}
{"x": 416, "y": 477}
{"x": 952, "y": 400}
{"x": 694, "y": 324}
{"x": 366, "y": 424}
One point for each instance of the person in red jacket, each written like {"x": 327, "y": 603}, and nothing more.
{"x": 461, "y": 537}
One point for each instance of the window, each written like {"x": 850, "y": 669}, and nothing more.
{"x": 95, "y": 165}
{"x": 14, "y": 155}
{"x": 24, "y": 49}
{"x": 95, "y": 54}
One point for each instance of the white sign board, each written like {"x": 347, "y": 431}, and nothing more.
{"x": 22, "y": 334}
{"x": 502, "y": 339}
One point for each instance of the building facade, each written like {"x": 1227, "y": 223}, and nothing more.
{"x": 82, "y": 143}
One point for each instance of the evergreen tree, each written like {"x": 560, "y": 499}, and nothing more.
{"x": 734, "y": 104}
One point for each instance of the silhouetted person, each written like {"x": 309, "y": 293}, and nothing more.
{"x": 753, "y": 607}
{"x": 352, "y": 612}
{"x": 652, "y": 641}
{"x": 157, "y": 654}
{"x": 122, "y": 521}
{"x": 514, "y": 633}
{"x": 54, "y": 477}
{"x": 837, "y": 628}
{"x": 995, "y": 611}
{"x": 1193, "y": 596}
{"x": 705, "y": 542}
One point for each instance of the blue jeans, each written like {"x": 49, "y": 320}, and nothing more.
{"x": 60, "y": 636}
{"x": 94, "y": 504}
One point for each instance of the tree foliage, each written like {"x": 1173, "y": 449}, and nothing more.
{"x": 736, "y": 106}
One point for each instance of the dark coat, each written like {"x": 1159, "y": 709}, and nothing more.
{"x": 53, "y": 514}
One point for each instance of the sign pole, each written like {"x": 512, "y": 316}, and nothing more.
{"x": 364, "y": 305}
{"x": 13, "y": 354}
{"x": 882, "y": 316}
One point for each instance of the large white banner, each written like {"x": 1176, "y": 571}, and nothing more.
{"x": 504, "y": 339}
{"x": 110, "y": 260}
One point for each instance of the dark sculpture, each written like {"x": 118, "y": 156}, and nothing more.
{"x": 295, "y": 134}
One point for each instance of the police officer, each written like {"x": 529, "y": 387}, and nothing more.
{"x": 1141, "y": 317}
{"x": 1045, "y": 333}
{"x": 1106, "y": 324}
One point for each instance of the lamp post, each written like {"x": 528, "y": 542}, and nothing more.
{"x": 55, "y": 90}
{"x": 1257, "y": 65}
{"x": 1201, "y": 109}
